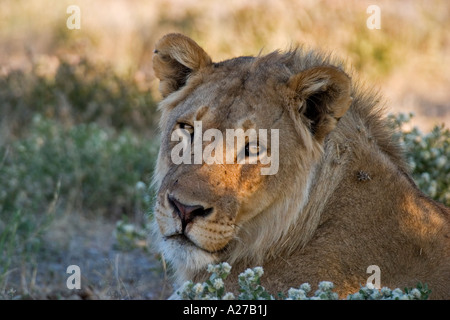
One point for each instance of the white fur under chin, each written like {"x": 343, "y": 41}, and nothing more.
{"x": 186, "y": 259}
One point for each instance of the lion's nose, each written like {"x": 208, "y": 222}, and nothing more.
{"x": 188, "y": 213}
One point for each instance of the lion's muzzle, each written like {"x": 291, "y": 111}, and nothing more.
{"x": 187, "y": 213}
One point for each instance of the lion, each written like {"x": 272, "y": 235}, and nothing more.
{"x": 341, "y": 200}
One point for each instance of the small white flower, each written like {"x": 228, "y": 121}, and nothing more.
{"x": 375, "y": 295}
{"x": 140, "y": 186}
{"x": 397, "y": 294}
{"x": 370, "y": 286}
{"x": 415, "y": 293}
{"x": 305, "y": 287}
{"x": 432, "y": 189}
{"x": 293, "y": 292}
{"x": 426, "y": 155}
{"x": 356, "y": 296}
{"x": 386, "y": 292}
{"x": 296, "y": 294}
{"x": 249, "y": 273}
{"x": 218, "y": 283}
{"x": 334, "y": 296}
{"x": 447, "y": 197}
{"x": 198, "y": 288}
{"x": 441, "y": 161}
{"x": 326, "y": 285}
{"x": 228, "y": 296}
{"x": 211, "y": 268}
{"x": 128, "y": 228}
{"x": 259, "y": 271}
{"x": 426, "y": 177}
{"x": 226, "y": 267}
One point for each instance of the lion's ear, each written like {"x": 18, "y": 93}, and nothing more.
{"x": 175, "y": 58}
{"x": 324, "y": 95}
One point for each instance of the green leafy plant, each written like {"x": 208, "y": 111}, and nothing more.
{"x": 55, "y": 169}
{"x": 211, "y": 289}
{"x": 251, "y": 289}
{"x": 428, "y": 155}
{"x": 96, "y": 169}
{"x": 79, "y": 92}
{"x": 130, "y": 236}
{"x": 250, "y": 285}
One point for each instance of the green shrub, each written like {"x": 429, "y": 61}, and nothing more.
{"x": 79, "y": 139}
{"x": 129, "y": 236}
{"x": 428, "y": 156}
{"x": 84, "y": 168}
{"x": 96, "y": 169}
{"x": 80, "y": 92}
{"x": 21, "y": 238}
{"x": 251, "y": 289}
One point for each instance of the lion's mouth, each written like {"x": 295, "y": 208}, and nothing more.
{"x": 180, "y": 238}
{"x": 184, "y": 241}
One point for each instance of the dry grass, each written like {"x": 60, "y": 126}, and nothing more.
{"x": 408, "y": 58}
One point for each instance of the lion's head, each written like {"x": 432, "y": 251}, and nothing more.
{"x": 227, "y": 210}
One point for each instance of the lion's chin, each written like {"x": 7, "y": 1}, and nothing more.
{"x": 184, "y": 242}
{"x": 186, "y": 256}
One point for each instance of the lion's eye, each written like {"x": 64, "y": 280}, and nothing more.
{"x": 188, "y": 128}
{"x": 252, "y": 149}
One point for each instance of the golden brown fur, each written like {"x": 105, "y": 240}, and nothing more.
{"x": 342, "y": 199}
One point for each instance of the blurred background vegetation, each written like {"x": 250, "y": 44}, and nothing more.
{"x": 78, "y": 117}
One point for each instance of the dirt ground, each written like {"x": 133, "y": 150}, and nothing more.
{"x": 106, "y": 272}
